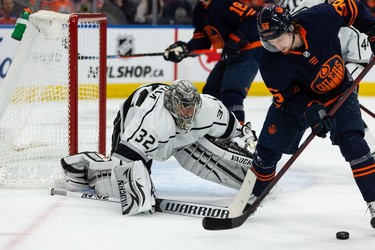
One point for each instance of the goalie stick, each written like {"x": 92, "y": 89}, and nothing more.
{"x": 230, "y": 223}
{"x": 162, "y": 205}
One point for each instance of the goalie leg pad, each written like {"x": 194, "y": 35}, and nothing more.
{"x": 104, "y": 182}
{"x": 214, "y": 163}
{"x": 75, "y": 172}
{"x": 135, "y": 188}
{"x": 101, "y": 178}
{"x": 80, "y": 170}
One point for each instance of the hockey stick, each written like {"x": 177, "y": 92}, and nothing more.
{"x": 367, "y": 111}
{"x": 190, "y": 54}
{"x": 229, "y": 223}
{"x": 238, "y": 204}
{"x": 162, "y": 205}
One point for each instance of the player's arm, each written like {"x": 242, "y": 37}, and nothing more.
{"x": 297, "y": 104}
{"x": 292, "y": 101}
{"x": 200, "y": 39}
{"x": 296, "y": 6}
{"x": 226, "y": 128}
{"x": 179, "y": 50}
{"x": 355, "y": 47}
{"x": 213, "y": 114}
{"x": 245, "y": 35}
{"x": 356, "y": 50}
{"x": 354, "y": 13}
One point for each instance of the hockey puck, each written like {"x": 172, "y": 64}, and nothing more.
{"x": 342, "y": 235}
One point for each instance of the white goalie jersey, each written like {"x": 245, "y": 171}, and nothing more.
{"x": 213, "y": 145}
{"x": 148, "y": 130}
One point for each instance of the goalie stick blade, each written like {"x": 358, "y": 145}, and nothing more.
{"x": 227, "y": 223}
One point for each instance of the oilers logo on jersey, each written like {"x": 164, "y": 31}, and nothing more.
{"x": 330, "y": 75}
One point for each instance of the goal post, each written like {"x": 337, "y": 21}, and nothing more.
{"x": 74, "y": 21}
{"x": 53, "y": 99}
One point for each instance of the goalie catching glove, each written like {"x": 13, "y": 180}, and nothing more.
{"x": 176, "y": 52}
{"x": 248, "y": 139}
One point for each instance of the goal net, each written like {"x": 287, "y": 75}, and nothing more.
{"x": 52, "y": 101}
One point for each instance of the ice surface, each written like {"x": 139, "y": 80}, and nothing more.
{"x": 316, "y": 198}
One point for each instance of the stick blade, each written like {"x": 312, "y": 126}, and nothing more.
{"x": 214, "y": 224}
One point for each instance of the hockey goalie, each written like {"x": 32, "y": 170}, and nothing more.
{"x": 156, "y": 122}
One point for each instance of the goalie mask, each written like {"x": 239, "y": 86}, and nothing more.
{"x": 183, "y": 101}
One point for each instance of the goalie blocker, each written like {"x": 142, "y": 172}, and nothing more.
{"x": 220, "y": 162}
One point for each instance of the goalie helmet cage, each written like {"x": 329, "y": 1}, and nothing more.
{"x": 52, "y": 103}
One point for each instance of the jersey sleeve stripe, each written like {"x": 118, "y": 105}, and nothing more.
{"x": 198, "y": 35}
{"x": 251, "y": 12}
{"x": 230, "y": 127}
{"x": 353, "y": 10}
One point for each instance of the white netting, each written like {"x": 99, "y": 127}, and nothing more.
{"x": 34, "y": 101}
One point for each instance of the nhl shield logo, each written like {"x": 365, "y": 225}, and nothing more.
{"x": 125, "y": 45}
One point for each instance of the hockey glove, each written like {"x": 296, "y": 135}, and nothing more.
{"x": 232, "y": 46}
{"x": 316, "y": 117}
{"x": 176, "y": 52}
{"x": 248, "y": 139}
{"x": 371, "y": 37}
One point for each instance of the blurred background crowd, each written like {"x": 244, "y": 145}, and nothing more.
{"x": 153, "y": 12}
{"x": 117, "y": 11}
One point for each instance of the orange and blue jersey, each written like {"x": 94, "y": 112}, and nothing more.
{"x": 315, "y": 72}
{"x": 214, "y": 23}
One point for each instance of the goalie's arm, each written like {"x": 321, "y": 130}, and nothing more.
{"x": 214, "y": 114}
